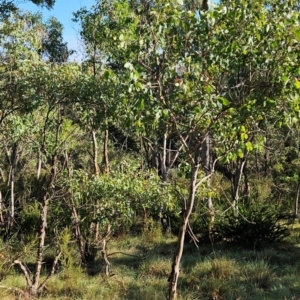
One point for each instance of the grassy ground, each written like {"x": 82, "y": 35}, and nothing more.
{"x": 210, "y": 272}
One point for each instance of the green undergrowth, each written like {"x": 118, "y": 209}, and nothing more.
{"x": 140, "y": 266}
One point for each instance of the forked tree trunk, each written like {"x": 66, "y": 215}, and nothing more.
{"x": 35, "y": 288}
{"x": 78, "y": 235}
{"x": 173, "y": 278}
{"x": 39, "y": 259}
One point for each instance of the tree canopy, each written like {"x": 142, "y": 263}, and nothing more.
{"x": 181, "y": 113}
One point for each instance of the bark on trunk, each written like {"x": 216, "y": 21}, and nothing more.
{"x": 96, "y": 173}
{"x": 104, "y": 250}
{"x": 164, "y": 167}
{"x": 95, "y": 154}
{"x": 297, "y": 197}
{"x": 39, "y": 165}
{"x": 206, "y": 159}
{"x": 41, "y": 244}
{"x": 11, "y": 156}
{"x": 173, "y": 278}
{"x": 1, "y": 209}
{"x": 35, "y": 289}
{"x": 78, "y": 235}
{"x": 236, "y": 184}
{"x": 105, "y": 152}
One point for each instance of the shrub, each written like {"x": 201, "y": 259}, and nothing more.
{"x": 253, "y": 227}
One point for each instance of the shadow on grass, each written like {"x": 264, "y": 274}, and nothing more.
{"x": 131, "y": 260}
{"x": 140, "y": 269}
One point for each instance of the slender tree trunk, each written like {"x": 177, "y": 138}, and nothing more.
{"x": 42, "y": 235}
{"x": 237, "y": 183}
{"x": 206, "y": 159}
{"x": 12, "y": 199}
{"x": 1, "y": 209}
{"x": 297, "y": 197}
{"x": 173, "y": 278}
{"x": 34, "y": 289}
{"x": 95, "y": 154}
{"x": 39, "y": 164}
{"x": 104, "y": 250}
{"x": 105, "y": 152}
{"x": 163, "y": 160}
{"x": 78, "y": 235}
{"x": 96, "y": 173}
{"x": 11, "y": 156}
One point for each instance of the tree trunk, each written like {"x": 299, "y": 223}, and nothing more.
{"x": 104, "y": 250}
{"x": 297, "y": 197}
{"x": 206, "y": 159}
{"x": 96, "y": 173}
{"x": 34, "y": 288}
{"x": 39, "y": 165}
{"x": 39, "y": 259}
{"x": 105, "y": 152}
{"x": 95, "y": 154}
{"x": 78, "y": 235}
{"x": 173, "y": 278}
{"x": 236, "y": 184}
{"x": 1, "y": 209}
{"x": 11, "y": 182}
{"x": 163, "y": 159}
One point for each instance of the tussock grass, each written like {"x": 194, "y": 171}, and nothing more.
{"x": 140, "y": 266}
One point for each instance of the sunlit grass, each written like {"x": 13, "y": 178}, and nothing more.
{"x": 140, "y": 266}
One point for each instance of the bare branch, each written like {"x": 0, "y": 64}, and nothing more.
{"x": 57, "y": 257}
{"x": 24, "y": 270}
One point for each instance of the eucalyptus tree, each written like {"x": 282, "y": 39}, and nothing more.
{"x": 160, "y": 84}
{"x": 198, "y": 76}
{"x": 20, "y": 37}
{"x": 52, "y": 86}
{"x": 35, "y": 98}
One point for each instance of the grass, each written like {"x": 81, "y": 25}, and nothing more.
{"x": 209, "y": 273}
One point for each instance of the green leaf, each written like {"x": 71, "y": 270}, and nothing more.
{"x": 142, "y": 105}
{"x": 249, "y": 146}
{"x": 297, "y": 84}
{"x": 297, "y": 32}
{"x": 240, "y": 153}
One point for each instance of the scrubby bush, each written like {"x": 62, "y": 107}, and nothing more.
{"x": 253, "y": 227}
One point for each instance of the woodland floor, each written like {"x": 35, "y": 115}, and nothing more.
{"x": 211, "y": 272}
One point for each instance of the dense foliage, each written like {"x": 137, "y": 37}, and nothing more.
{"x": 180, "y": 116}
